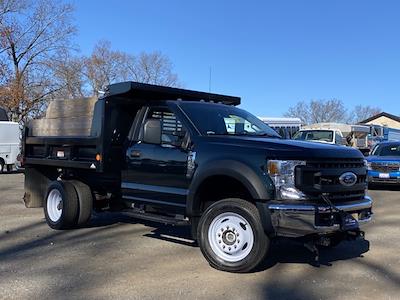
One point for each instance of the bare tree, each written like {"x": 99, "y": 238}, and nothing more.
{"x": 318, "y": 111}
{"x": 104, "y": 66}
{"x": 69, "y": 72}
{"x": 300, "y": 110}
{"x": 152, "y": 68}
{"x": 360, "y": 113}
{"x": 333, "y": 110}
{"x": 10, "y": 6}
{"x": 32, "y": 34}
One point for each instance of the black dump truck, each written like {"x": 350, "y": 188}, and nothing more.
{"x": 178, "y": 156}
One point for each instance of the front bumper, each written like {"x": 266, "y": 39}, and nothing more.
{"x": 390, "y": 178}
{"x": 300, "y": 219}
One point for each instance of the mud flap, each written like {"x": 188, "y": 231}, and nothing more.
{"x": 35, "y": 187}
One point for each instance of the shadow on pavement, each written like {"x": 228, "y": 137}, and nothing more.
{"x": 292, "y": 251}
{"x": 282, "y": 250}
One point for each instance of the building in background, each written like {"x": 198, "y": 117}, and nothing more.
{"x": 384, "y": 119}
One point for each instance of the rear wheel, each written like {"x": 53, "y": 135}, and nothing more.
{"x": 231, "y": 236}
{"x": 85, "y": 201}
{"x": 61, "y": 205}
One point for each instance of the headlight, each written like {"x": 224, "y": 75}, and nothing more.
{"x": 282, "y": 174}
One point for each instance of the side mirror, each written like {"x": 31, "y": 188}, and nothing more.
{"x": 152, "y": 131}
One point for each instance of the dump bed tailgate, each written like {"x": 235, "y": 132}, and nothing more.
{"x": 64, "y": 152}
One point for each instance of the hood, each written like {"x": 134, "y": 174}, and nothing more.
{"x": 374, "y": 158}
{"x": 286, "y": 149}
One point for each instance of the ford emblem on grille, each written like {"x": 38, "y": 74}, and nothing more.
{"x": 348, "y": 179}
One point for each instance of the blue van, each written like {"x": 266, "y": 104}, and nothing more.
{"x": 384, "y": 164}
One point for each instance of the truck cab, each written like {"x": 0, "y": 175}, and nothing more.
{"x": 185, "y": 157}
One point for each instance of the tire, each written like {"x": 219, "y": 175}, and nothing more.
{"x": 61, "y": 205}
{"x": 231, "y": 236}
{"x": 85, "y": 201}
{"x": 2, "y": 165}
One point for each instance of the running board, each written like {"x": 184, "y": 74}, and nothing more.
{"x": 155, "y": 218}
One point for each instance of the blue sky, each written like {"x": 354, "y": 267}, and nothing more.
{"x": 271, "y": 53}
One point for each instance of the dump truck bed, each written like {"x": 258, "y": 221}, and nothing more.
{"x": 89, "y": 133}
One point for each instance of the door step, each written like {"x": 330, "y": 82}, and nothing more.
{"x": 155, "y": 218}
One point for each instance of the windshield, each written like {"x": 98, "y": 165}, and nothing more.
{"x": 314, "y": 135}
{"x": 387, "y": 150}
{"x": 218, "y": 119}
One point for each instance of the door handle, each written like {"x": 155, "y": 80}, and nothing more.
{"x": 135, "y": 153}
{"x": 162, "y": 164}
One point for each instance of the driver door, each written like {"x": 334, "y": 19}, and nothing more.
{"x": 156, "y": 170}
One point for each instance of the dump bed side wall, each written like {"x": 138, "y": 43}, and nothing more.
{"x": 65, "y": 118}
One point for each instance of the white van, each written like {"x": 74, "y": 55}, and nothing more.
{"x": 9, "y": 145}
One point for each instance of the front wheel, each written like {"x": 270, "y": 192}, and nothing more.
{"x": 231, "y": 236}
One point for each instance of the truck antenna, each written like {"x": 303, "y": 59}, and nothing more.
{"x": 209, "y": 81}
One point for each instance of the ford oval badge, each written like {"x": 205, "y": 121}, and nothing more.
{"x": 348, "y": 179}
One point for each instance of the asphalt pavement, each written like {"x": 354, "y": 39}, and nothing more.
{"x": 122, "y": 258}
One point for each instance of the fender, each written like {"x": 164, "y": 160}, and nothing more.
{"x": 259, "y": 188}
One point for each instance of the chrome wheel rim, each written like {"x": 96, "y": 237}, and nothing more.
{"x": 54, "y": 205}
{"x": 231, "y": 237}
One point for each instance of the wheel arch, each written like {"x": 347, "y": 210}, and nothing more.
{"x": 239, "y": 172}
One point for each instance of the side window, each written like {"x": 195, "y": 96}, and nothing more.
{"x": 172, "y": 131}
{"x": 338, "y": 138}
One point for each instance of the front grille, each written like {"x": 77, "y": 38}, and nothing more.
{"x": 385, "y": 167}
{"x": 322, "y": 177}
{"x": 337, "y": 163}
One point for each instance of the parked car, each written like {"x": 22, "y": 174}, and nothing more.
{"x": 9, "y": 145}
{"x": 384, "y": 164}
{"x": 178, "y": 156}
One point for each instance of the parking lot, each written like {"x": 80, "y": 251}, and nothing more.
{"x": 120, "y": 258}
